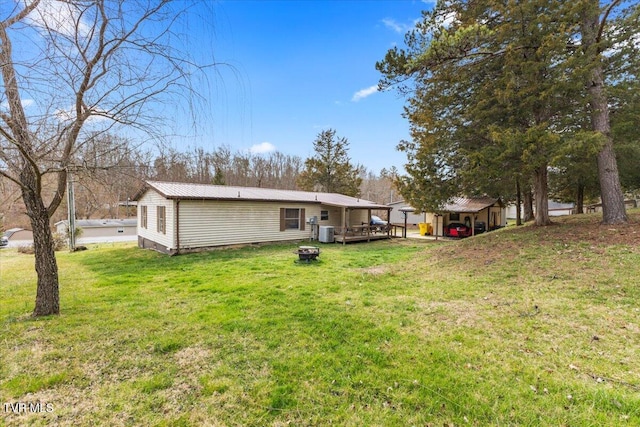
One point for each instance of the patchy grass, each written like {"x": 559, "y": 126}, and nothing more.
{"x": 523, "y": 326}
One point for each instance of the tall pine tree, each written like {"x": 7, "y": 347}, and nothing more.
{"x": 330, "y": 170}
{"x": 495, "y": 89}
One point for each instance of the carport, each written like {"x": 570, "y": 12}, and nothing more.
{"x": 468, "y": 210}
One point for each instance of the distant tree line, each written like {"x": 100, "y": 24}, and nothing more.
{"x": 109, "y": 170}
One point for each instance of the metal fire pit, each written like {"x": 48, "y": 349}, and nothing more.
{"x": 308, "y": 253}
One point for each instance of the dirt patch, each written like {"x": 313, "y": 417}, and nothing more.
{"x": 192, "y": 356}
{"x": 374, "y": 271}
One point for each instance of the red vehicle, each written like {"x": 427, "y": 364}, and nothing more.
{"x": 457, "y": 229}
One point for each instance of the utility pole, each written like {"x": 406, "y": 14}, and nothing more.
{"x": 71, "y": 205}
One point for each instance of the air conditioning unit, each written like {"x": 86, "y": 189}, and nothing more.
{"x": 326, "y": 234}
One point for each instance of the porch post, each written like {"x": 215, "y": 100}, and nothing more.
{"x": 345, "y": 211}
{"x": 473, "y": 224}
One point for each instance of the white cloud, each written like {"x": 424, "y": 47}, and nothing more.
{"x": 59, "y": 16}
{"x": 446, "y": 20}
{"x": 70, "y": 114}
{"x": 263, "y": 147}
{"x": 25, "y": 103}
{"x": 393, "y": 25}
{"x": 363, "y": 93}
{"x": 398, "y": 27}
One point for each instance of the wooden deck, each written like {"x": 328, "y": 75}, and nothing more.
{"x": 347, "y": 239}
{"x": 364, "y": 233}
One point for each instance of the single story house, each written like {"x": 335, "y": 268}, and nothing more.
{"x": 555, "y": 209}
{"x": 180, "y": 217}
{"x": 100, "y": 228}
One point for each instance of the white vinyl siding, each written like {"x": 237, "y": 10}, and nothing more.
{"x": 359, "y": 217}
{"x": 335, "y": 216}
{"x": 218, "y": 223}
{"x": 152, "y": 200}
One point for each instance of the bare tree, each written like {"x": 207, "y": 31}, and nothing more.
{"x": 69, "y": 69}
{"x": 109, "y": 171}
{"x": 376, "y": 188}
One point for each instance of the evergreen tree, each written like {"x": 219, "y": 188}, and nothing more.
{"x": 330, "y": 170}
{"x": 485, "y": 100}
{"x": 594, "y": 42}
{"x": 496, "y": 89}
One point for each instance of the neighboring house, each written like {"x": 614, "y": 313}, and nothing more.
{"x": 560, "y": 209}
{"x": 93, "y": 229}
{"x": 466, "y": 210}
{"x": 555, "y": 209}
{"x": 397, "y": 216}
{"x": 18, "y": 234}
{"x": 179, "y": 217}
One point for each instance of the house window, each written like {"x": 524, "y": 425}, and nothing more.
{"x": 454, "y": 217}
{"x": 292, "y": 219}
{"x": 143, "y": 216}
{"x": 162, "y": 219}
{"x": 324, "y": 215}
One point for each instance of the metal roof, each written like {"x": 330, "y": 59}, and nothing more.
{"x": 461, "y": 204}
{"x": 89, "y": 223}
{"x": 186, "y": 191}
{"x": 469, "y": 204}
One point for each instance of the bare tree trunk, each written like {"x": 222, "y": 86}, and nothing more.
{"x": 580, "y": 199}
{"x": 47, "y": 294}
{"x": 116, "y": 61}
{"x": 541, "y": 195}
{"x": 528, "y": 206}
{"x": 613, "y": 209}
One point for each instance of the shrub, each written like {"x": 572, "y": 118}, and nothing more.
{"x": 26, "y": 249}
{"x": 59, "y": 241}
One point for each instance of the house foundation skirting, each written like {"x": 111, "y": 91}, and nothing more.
{"x": 145, "y": 243}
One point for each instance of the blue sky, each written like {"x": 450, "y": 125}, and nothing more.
{"x": 295, "y": 68}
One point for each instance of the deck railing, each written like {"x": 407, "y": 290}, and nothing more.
{"x": 363, "y": 230}
{"x": 368, "y": 232}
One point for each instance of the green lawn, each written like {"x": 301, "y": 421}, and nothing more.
{"x": 527, "y": 326}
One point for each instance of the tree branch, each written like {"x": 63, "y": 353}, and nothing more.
{"x": 603, "y": 21}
